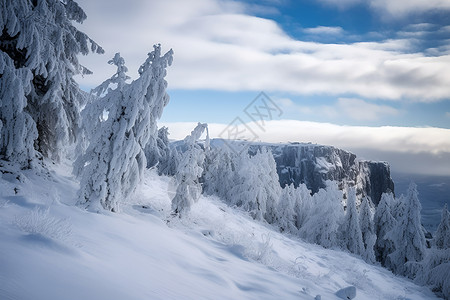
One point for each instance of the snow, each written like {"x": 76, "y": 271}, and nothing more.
{"x": 215, "y": 252}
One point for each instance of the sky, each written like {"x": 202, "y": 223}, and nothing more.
{"x": 369, "y": 76}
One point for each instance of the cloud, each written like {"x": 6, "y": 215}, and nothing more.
{"x": 447, "y": 114}
{"x": 397, "y": 8}
{"x": 423, "y": 150}
{"x": 324, "y": 30}
{"x": 219, "y": 47}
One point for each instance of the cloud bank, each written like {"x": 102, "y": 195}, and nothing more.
{"x": 407, "y": 149}
{"x": 218, "y": 46}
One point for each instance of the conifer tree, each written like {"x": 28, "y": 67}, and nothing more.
{"x": 190, "y": 169}
{"x": 38, "y": 48}
{"x": 351, "y": 230}
{"x": 368, "y": 231}
{"x": 384, "y": 222}
{"x": 114, "y": 162}
{"x": 407, "y": 236}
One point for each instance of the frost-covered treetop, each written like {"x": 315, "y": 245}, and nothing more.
{"x": 118, "y": 78}
{"x": 196, "y": 134}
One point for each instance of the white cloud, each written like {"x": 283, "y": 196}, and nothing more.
{"x": 395, "y": 8}
{"x": 417, "y": 150}
{"x": 447, "y": 114}
{"x": 217, "y": 46}
{"x": 387, "y": 138}
{"x": 324, "y": 30}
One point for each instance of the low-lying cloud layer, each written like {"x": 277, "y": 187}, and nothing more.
{"x": 407, "y": 149}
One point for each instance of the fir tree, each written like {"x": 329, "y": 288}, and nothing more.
{"x": 39, "y": 47}
{"x": 384, "y": 222}
{"x": 368, "y": 231}
{"x": 442, "y": 235}
{"x": 114, "y": 162}
{"x": 352, "y": 236}
{"x": 408, "y": 237}
{"x": 190, "y": 169}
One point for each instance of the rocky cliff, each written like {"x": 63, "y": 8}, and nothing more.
{"x": 314, "y": 164}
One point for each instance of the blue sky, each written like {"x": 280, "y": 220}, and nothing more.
{"x": 356, "y": 66}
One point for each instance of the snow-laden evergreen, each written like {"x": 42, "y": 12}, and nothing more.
{"x": 17, "y": 128}
{"x": 39, "y": 46}
{"x": 256, "y": 189}
{"x": 369, "y": 236}
{"x": 407, "y": 236}
{"x": 114, "y": 161}
{"x": 352, "y": 237}
{"x": 384, "y": 222}
{"x": 286, "y": 213}
{"x": 326, "y": 215}
{"x": 190, "y": 168}
{"x": 442, "y": 236}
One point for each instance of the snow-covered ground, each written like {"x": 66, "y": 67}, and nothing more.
{"x": 50, "y": 249}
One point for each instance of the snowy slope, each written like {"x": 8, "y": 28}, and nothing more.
{"x": 143, "y": 253}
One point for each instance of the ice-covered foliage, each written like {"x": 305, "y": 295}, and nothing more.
{"x": 366, "y": 224}
{"x": 286, "y": 216}
{"x": 114, "y": 161}
{"x": 17, "y": 128}
{"x": 434, "y": 271}
{"x": 384, "y": 222}
{"x": 302, "y": 205}
{"x": 407, "y": 236}
{"x": 351, "y": 231}
{"x": 326, "y": 215}
{"x": 442, "y": 236}
{"x": 256, "y": 187}
{"x": 39, "y": 47}
{"x": 160, "y": 155}
{"x": 219, "y": 176}
{"x": 189, "y": 171}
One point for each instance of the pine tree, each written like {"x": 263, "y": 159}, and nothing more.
{"x": 352, "y": 236}
{"x": 40, "y": 44}
{"x": 257, "y": 188}
{"x": 408, "y": 237}
{"x": 189, "y": 171}
{"x": 302, "y": 205}
{"x": 323, "y": 223}
{"x": 17, "y": 128}
{"x": 286, "y": 213}
{"x": 114, "y": 162}
{"x": 442, "y": 235}
{"x": 384, "y": 222}
{"x": 368, "y": 231}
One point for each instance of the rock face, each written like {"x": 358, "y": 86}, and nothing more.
{"x": 314, "y": 164}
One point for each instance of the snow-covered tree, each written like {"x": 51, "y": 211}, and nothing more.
{"x": 442, "y": 236}
{"x": 326, "y": 216}
{"x": 352, "y": 237}
{"x": 407, "y": 235}
{"x": 114, "y": 162}
{"x": 302, "y": 205}
{"x": 39, "y": 46}
{"x": 257, "y": 187}
{"x": 190, "y": 169}
{"x": 159, "y": 155}
{"x": 17, "y": 128}
{"x": 384, "y": 222}
{"x": 285, "y": 213}
{"x": 369, "y": 236}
